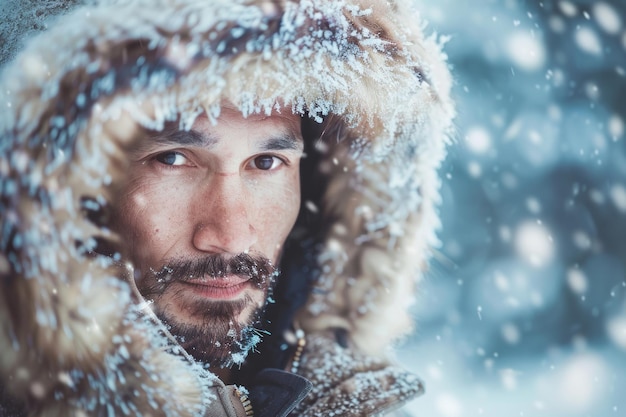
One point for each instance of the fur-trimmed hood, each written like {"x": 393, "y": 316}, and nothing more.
{"x": 83, "y": 92}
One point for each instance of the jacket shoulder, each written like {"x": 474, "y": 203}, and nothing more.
{"x": 350, "y": 383}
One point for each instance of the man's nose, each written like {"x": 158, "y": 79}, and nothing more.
{"x": 223, "y": 224}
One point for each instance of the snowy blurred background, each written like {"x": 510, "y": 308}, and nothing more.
{"x": 524, "y": 310}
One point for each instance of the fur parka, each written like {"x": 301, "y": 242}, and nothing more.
{"x": 75, "y": 340}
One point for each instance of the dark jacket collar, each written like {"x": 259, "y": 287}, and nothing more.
{"x": 275, "y": 393}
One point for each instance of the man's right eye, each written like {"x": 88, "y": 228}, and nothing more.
{"x": 171, "y": 158}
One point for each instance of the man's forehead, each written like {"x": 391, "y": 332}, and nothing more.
{"x": 287, "y": 118}
{"x": 275, "y": 131}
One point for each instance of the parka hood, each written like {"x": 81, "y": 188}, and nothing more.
{"x": 361, "y": 73}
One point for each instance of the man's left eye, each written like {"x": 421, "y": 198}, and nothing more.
{"x": 171, "y": 158}
{"x": 266, "y": 162}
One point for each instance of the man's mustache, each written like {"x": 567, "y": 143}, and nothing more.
{"x": 217, "y": 266}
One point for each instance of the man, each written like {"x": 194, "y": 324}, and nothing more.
{"x": 217, "y": 208}
{"x": 233, "y": 195}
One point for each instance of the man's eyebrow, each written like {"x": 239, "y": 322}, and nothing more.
{"x": 173, "y": 135}
{"x": 184, "y": 138}
{"x": 283, "y": 142}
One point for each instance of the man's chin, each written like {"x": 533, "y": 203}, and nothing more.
{"x": 219, "y": 333}
{"x": 220, "y": 338}
{"x": 218, "y": 350}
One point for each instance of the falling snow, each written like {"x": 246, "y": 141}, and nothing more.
{"x": 534, "y": 215}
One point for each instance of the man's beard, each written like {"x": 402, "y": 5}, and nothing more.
{"x": 213, "y": 335}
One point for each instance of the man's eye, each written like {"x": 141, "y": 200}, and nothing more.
{"x": 266, "y": 162}
{"x": 171, "y": 158}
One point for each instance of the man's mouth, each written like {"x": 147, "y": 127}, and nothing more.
{"x": 222, "y": 288}
{"x": 213, "y": 278}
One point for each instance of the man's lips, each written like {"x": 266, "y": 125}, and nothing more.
{"x": 222, "y": 288}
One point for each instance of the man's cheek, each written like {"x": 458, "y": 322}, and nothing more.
{"x": 144, "y": 232}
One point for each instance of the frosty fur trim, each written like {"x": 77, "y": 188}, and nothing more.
{"x": 118, "y": 69}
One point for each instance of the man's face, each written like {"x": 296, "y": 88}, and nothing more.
{"x": 206, "y": 213}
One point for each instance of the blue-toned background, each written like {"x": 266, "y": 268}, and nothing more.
{"x": 524, "y": 310}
